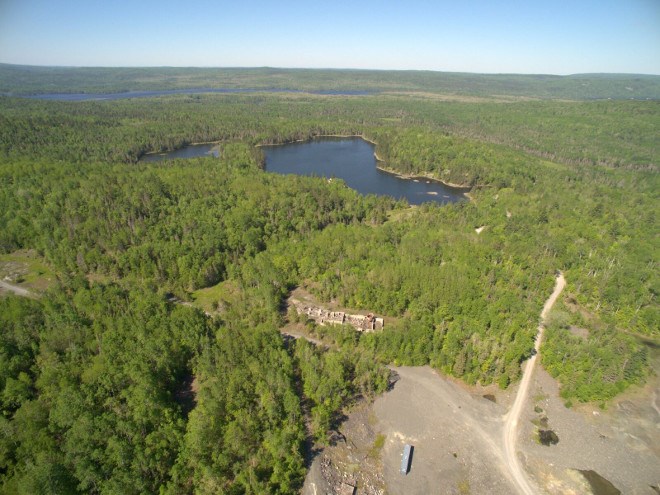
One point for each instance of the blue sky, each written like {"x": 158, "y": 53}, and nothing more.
{"x": 491, "y": 36}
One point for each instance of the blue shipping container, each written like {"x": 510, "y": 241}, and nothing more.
{"x": 405, "y": 460}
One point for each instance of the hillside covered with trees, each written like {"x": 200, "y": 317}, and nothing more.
{"x": 31, "y": 80}
{"x": 108, "y": 385}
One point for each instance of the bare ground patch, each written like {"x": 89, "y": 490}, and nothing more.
{"x": 457, "y": 433}
{"x": 27, "y": 270}
{"x": 620, "y": 444}
{"x": 353, "y": 459}
{"x": 453, "y": 429}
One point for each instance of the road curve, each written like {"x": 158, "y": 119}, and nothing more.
{"x": 510, "y": 433}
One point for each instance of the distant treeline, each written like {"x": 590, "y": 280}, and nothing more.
{"x": 451, "y": 136}
{"x": 29, "y": 80}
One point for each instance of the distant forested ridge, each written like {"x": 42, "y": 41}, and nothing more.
{"x": 29, "y": 80}
{"x": 108, "y": 385}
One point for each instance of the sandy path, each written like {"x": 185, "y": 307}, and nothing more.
{"x": 311, "y": 340}
{"x": 510, "y": 433}
{"x": 19, "y": 291}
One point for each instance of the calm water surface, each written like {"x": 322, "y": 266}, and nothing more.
{"x": 349, "y": 159}
{"x": 352, "y": 159}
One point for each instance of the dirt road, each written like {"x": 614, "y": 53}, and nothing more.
{"x": 510, "y": 433}
{"x": 309, "y": 339}
{"x": 19, "y": 291}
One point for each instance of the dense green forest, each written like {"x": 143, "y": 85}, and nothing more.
{"x": 108, "y": 386}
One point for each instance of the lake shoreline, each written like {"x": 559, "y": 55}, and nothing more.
{"x": 318, "y": 136}
{"x": 381, "y": 180}
{"x": 458, "y": 189}
{"x": 398, "y": 174}
{"x": 421, "y": 177}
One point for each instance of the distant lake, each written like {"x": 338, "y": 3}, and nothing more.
{"x": 191, "y": 91}
{"x": 353, "y": 161}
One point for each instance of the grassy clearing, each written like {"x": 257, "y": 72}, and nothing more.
{"x": 377, "y": 447}
{"x": 27, "y": 269}
{"x": 212, "y": 299}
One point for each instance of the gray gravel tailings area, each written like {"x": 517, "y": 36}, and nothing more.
{"x": 457, "y": 438}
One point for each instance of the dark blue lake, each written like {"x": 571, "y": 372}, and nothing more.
{"x": 349, "y": 159}
{"x": 353, "y": 160}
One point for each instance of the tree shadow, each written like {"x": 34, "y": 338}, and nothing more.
{"x": 393, "y": 379}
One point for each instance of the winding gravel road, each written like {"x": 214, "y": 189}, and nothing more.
{"x": 510, "y": 433}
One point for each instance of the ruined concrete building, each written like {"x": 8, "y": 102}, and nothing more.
{"x": 322, "y": 316}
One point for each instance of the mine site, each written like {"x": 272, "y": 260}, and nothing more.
{"x": 456, "y": 431}
{"x": 458, "y": 436}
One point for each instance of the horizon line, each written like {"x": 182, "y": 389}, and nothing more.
{"x": 356, "y": 69}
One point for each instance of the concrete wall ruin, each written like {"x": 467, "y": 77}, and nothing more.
{"x": 322, "y": 316}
